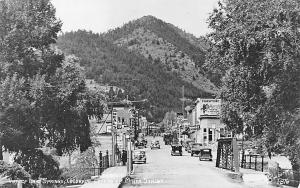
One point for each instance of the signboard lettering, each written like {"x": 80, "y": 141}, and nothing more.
{"x": 210, "y": 107}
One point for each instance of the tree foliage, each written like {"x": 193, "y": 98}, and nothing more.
{"x": 39, "y": 165}
{"x": 13, "y": 171}
{"x": 43, "y": 98}
{"x": 255, "y": 48}
{"x": 81, "y": 168}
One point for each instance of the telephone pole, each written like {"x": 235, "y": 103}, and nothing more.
{"x": 183, "y": 99}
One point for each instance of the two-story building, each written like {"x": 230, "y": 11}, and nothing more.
{"x": 207, "y": 123}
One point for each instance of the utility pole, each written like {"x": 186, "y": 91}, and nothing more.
{"x": 183, "y": 99}
{"x": 112, "y": 138}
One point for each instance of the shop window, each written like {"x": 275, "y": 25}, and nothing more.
{"x": 222, "y": 133}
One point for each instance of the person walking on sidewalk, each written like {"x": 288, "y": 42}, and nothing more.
{"x": 124, "y": 157}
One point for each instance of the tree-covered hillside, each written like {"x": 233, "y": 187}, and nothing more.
{"x": 113, "y": 65}
{"x": 163, "y": 30}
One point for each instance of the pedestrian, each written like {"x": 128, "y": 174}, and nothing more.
{"x": 124, "y": 157}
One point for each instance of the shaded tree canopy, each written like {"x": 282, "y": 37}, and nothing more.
{"x": 43, "y": 98}
{"x": 255, "y": 48}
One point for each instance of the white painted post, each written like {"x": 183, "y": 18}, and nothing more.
{"x": 20, "y": 184}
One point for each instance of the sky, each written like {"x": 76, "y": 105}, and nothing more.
{"x": 101, "y": 15}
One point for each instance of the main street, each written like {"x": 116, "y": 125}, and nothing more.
{"x": 164, "y": 170}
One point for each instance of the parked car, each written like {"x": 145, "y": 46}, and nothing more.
{"x": 176, "y": 149}
{"x": 139, "y": 156}
{"x": 140, "y": 145}
{"x": 195, "y": 149}
{"x": 155, "y": 144}
{"x": 205, "y": 154}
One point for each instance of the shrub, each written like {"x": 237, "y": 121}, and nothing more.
{"x": 82, "y": 169}
{"x": 13, "y": 171}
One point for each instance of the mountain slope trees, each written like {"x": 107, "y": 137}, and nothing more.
{"x": 113, "y": 65}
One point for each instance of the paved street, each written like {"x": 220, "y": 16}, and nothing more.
{"x": 164, "y": 170}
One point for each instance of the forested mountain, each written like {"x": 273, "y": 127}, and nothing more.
{"x": 164, "y": 43}
{"x": 110, "y": 64}
{"x": 148, "y": 58}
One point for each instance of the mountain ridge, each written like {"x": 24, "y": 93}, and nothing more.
{"x": 183, "y": 44}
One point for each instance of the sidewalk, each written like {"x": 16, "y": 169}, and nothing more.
{"x": 111, "y": 178}
{"x": 255, "y": 179}
{"x": 248, "y": 177}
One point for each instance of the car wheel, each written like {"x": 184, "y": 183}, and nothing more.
{"x": 192, "y": 154}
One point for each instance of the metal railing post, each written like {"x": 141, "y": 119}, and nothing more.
{"x": 100, "y": 162}
{"x": 262, "y": 163}
{"x": 255, "y": 162}
{"x": 107, "y": 159}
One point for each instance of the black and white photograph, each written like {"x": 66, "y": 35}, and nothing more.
{"x": 149, "y": 93}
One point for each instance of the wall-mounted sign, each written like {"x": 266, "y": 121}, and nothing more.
{"x": 210, "y": 107}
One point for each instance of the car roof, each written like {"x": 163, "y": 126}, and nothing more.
{"x": 139, "y": 151}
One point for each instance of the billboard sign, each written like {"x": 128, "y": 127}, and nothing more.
{"x": 210, "y": 107}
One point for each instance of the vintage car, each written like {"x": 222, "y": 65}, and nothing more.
{"x": 205, "y": 154}
{"x": 155, "y": 144}
{"x": 144, "y": 141}
{"x": 139, "y": 156}
{"x": 176, "y": 149}
{"x": 140, "y": 145}
{"x": 195, "y": 149}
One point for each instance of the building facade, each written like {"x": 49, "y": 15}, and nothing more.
{"x": 207, "y": 125}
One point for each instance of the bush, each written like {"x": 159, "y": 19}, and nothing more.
{"x": 13, "y": 171}
{"x": 82, "y": 169}
{"x": 38, "y": 164}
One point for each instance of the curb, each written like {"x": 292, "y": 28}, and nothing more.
{"x": 125, "y": 180}
{"x": 235, "y": 175}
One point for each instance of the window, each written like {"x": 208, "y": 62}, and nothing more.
{"x": 222, "y": 132}
{"x": 204, "y": 130}
{"x": 210, "y": 134}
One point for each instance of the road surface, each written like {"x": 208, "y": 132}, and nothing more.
{"x": 166, "y": 171}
